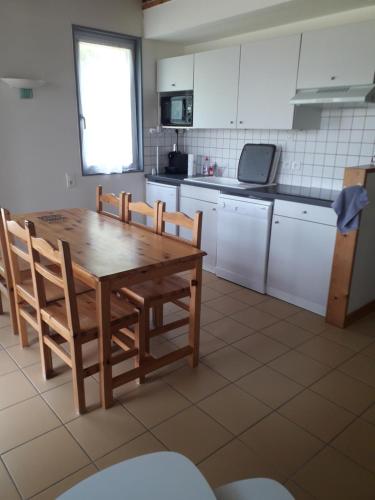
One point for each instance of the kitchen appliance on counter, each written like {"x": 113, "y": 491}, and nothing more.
{"x": 176, "y": 109}
{"x": 257, "y": 167}
{"x": 243, "y": 238}
{"x": 177, "y": 163}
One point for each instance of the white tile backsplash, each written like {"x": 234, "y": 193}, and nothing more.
{"x": 309, "y": 158}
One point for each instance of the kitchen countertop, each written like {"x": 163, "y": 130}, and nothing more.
{"x": 299, "y": 194}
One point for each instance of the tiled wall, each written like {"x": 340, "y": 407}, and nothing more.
{"x": 309, "y": 158}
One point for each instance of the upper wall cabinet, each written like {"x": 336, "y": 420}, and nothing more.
{"x": 216, "y": 88}
{"x": 176, "y": 73}
{"x": 268, "y": 75}
{"x": 338, "y": 56}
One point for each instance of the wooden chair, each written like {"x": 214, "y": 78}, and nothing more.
{"x": 152, "y": 295}
{"x": 143, "y": 209}
{"x": 22, "y": 286}
{"x": 118, "y": 202}
{"x": 6, "y": 285}
{"x": 73, "y": 319}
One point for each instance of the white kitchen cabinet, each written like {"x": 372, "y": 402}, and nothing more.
{"x": 175, "y": 73}
{"x": 343, "y": 55}
{"x": 301, "y": 252}
{"x": 163, "y": 192}
{"x": 196, "y": 198}
{"x": 268, "y": 74}
{"x": 216, "y": 88}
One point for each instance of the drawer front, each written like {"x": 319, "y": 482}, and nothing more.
{"x": 303, "y": 211}
{"x": 199, "y": 193}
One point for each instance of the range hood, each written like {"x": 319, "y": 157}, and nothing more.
{"x": 355, "y": 95}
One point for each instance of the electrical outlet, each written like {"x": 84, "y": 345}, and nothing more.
{"x": 296, "y": 166}
{"x": 70, "y": 181}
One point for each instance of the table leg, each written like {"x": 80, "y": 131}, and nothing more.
{"x": 103, "y": 306}
{"x": 195, "y": 312}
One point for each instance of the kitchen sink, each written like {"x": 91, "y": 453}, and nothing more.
{"x": 228, "y": 182}
{"x": 220, "y": 181}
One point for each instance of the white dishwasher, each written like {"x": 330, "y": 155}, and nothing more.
{"x": 243, "y": 237}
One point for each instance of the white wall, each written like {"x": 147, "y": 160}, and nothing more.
{"x": 39, "y": 138}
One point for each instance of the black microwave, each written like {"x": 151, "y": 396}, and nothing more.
{"x": 176, "y": 109}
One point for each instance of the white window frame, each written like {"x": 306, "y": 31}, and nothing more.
{"x": 81, "y": 33}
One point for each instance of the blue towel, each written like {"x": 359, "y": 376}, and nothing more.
{"x": 348, "y": 205}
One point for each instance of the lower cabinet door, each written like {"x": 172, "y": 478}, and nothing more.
{"x": 300, "y": 262}
{"x": 209, "y": 231}
{"x": 168, "y": 194}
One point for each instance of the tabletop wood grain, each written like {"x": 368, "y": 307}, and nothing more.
{"x": 106, "y": 248}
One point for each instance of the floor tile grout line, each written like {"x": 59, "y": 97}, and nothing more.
{"x": 331, "y": 445}
{"x": 18, "y": 402}
{"x": 164, "y": 419}
{"x": 59, "y": 481}
{"x": 265, "y": 364}
{"x": 289, "y": 476}
{"x": 3, "y": 453}
{"x": 302, "y": 488}
{"x": 92, "y": 460}
{"x": 147, "y": 431}
{"x": 10, "y": 476}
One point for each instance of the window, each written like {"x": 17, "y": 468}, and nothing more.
{"x": 109, "y": 101}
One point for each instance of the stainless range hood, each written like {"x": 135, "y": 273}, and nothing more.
{"x": 355, "y": 95}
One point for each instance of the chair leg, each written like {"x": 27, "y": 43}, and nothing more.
{"x": 158, "y": 315}
{"x": 146, "y": 328}
{"x": 1, "y": 304}
{"x": 12, "y": 312}
{"x": 45, "y": 352}
{"x": 77, "y": 375}
{"x": 22, "y": 329}
{"x": 141, "y": 340}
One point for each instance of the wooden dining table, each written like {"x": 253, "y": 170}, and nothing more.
{"x": 107, "y": 255}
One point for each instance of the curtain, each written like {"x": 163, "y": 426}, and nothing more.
{"x": 107, "y": 107}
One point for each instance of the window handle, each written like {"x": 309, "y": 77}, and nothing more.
{"x": 83, "y": 119}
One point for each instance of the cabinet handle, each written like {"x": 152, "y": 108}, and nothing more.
{"x": 173, "y": 84}
{"x": 277, "y": 222}
{"x": 214, "y": 209}
{"x": 304, "y": 211}
{"x": 232, "y": 122}
{"x": 333, "y": 77}
{"x": 241, "y": 121}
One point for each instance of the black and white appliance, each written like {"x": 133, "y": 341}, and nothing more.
{"x": 258, "y": 164}
{"x": 176, "y": 109}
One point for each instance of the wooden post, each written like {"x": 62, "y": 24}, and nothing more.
{"x": 103, "y": 306}
{"x": 344, "y": 259}
{"x": 195, "y": 312}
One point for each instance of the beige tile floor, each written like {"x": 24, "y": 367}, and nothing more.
{"x": 278, "y": 393}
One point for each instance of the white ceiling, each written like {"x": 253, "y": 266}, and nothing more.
{"x": 197, "y": 21}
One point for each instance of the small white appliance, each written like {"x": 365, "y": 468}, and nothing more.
{"x": 243, "y": 237}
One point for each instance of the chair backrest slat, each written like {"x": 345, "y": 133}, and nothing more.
{"x": 117, "y": 202}
{"x": 193, "y": 224}
{"x": 20, "y": 253}
{"x": 49, "y": 275}
{"x": 14, "y": 232}
{"x": 4, "y": 254}
{"x": 141, "y": 208}
{"x": 42, "y": 250}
